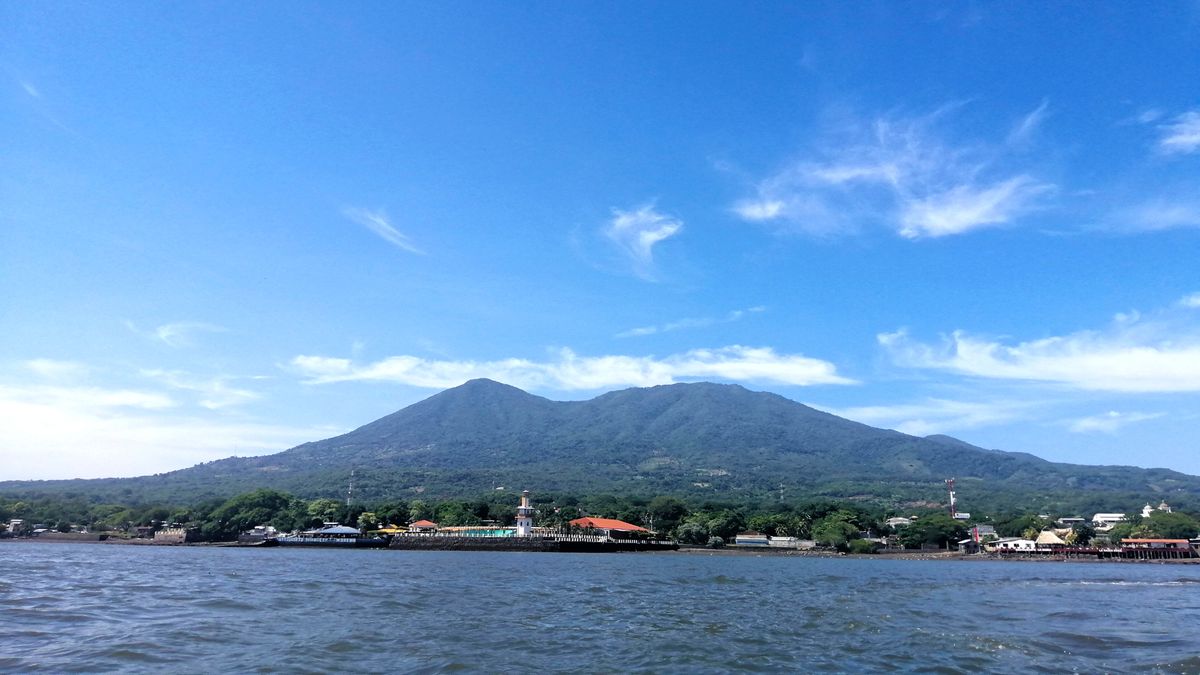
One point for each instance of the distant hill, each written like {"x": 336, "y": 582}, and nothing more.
{"x": 706, "y": 441}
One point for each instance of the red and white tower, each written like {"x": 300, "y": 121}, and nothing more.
{"x": 524, "y": 516}
{"x": 953, "y": 502}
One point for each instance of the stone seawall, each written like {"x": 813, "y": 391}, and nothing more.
{"x": 420, "y": 543}
{"x": 539, "y": 544}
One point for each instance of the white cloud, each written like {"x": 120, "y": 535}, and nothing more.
{"x": 30, "y": 89}
{"x": 182, "y": 333}
{"x": 52, "y": 369}
{"x": 1149, "y": 116}
{"x": 214, "y": 392}
{"x": 759, "y": 210}
{"x": 682, "y": 324}
{"x": 1024, "y": 129}
{"x": 1190, "y": 301}
{"x": 94, "y": 399}
{"x": 934, "y": 415}
{"x": 569, "y": 371}
{"x": 966, "y": 207}
{"x": 1109, "y": 422}
{"x": 636, "y": 233}
{"x": 900, "y": 173}
{"x": 93, "y": 433}
{"x": 1181, "y": 135}
{"x": 377, "y": 222}
{"x": 1161, "y": 354}
{"x": 1159, "y": 214}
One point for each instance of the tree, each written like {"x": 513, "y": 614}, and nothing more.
{"x": 692, "y": 533}
{"x": 324, "y": 510}
{"x": 1162, "y": 524}
{"x": 245, "y": 511}
{"x": 835, "y": 529}
{"x": 418, "y": 510}
{"x": 725, "y": 524}
{"x": 666, "y": 512}
{"x": 938, "y": 529}
{"x": 1083, "y": 534}
{"x": 368, "y": 520}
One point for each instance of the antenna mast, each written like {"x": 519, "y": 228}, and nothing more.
{"x": 953, "y": 503}
{"x": 350, "y": 491}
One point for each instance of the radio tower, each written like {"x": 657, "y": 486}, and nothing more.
{"x": 953, "y": 503}
{"x": 350, "y": 491}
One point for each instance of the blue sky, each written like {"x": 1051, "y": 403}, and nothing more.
{"x": 228, "y": 228}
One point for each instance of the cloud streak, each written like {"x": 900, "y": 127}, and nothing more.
{"x": 635, "y": 234}
{"x": 684, "y": 324}
{"x": 899, "y": 173}
{"x": 571, "y": 372}
{"x": 1180, "y": 136}
{"x": 377, "y": 222}
{"x": 214, "y": 393}
{"x": 936, "y": 415}
{"x": 1110, "y": 422}
{"x": 1159, "y": 354}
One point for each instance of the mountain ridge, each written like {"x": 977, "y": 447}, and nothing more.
{"x": 703, "y": 440}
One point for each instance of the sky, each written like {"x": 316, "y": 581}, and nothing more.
{"x": 230, "y": 228}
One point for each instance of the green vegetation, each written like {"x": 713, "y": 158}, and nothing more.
{"x": 841, "y": 525}
{"x": 1159, "y": 525}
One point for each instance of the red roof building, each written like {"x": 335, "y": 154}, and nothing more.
{"x": 607, "y": 524}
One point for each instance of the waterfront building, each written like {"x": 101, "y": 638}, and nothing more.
{"x": 1156, "y": 549}
{"x": 610, "y": 527}
{"x": 423, "y": 526}
{"x": 1048, "y": 540}
{"x": 1013, "y": 545}
{"x": 751, "y": 538}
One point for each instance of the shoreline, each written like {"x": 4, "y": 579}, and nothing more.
{"x": 952, "y": 556}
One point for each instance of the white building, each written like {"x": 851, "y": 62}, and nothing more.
{"x": 1014, "y": 544}
{"x": 1148, "y": 510}
{"x": 1104, "y": 522}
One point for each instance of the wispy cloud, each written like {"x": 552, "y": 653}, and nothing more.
{"x": 683, "y": 324}
{"x": 1181, "y": 135}
{"x": 177, "y": 334}
{"x": 1191, "y": 301}
{"x": 1158, "y": 214}
{"x": 214, "y": 393}
{"x": 1109, "y": 422}
{"x": 53, "y": 369}
{"x": 30, "y": 89}
{"x": 1160, "y": 353}
{"x": 635, "y": 233}
{"x": 1025, "y": 128}
{"x": 93, "y": 399}
{"x": 182, "y": 334}
{"x": 377, "y": 222}
{"x": 935, "y": 415}
{"x": 902, "y": 173}
{"x": 567, "y": 371}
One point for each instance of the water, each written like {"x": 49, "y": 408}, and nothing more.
{"x": 79, "y": 607}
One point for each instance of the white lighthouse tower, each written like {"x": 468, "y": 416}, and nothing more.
{"x": 524, "y": 516}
